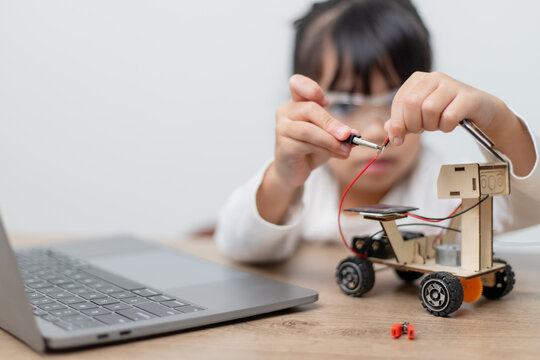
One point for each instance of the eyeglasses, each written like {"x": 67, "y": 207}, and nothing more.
{"x": 359, "y": 108}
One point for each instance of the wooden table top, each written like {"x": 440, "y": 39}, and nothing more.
{"x": 338, "y": 326}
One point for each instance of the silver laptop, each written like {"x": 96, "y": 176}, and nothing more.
{"x": 119, "y": 288}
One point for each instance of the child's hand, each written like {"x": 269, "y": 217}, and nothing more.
{"x": 306, "y": 135}
{"x": 435, "y": 101}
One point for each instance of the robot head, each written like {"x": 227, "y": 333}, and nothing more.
{"x": 473, "y": 180}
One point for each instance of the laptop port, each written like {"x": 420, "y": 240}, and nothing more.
{"x": 124, "y": 333}
{"x": 102, "y": 336}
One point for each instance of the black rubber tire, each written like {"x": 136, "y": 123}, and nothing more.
{"x": 504, "y": 282}
{"x": 409, "y": 276}
{"x": 441, "y": 293}
{"x": 355, "y": 276}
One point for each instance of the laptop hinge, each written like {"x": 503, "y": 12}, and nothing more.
{"x": 16, "y": 315}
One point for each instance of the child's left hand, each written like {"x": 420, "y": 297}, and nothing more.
{"x": 435, "y": 101}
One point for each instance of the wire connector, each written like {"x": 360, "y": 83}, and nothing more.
{"x": 354, "y": 139}
{"x": 405, "y": 328}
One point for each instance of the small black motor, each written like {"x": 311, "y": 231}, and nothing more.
{"x": 379, "y": 247}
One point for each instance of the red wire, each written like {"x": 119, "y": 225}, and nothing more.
{"x": 345, "y": 194}
{"x": 343, "y": 198}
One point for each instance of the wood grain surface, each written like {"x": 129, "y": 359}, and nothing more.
{"x": 338, "y": 326}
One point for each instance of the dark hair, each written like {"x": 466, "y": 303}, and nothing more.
{"x": 387, "y": 35}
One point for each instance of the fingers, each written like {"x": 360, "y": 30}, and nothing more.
{"x": 397, "y": 127}
{"x": 309, "y": 111}
{"x": 304, "y": 89}
{"x": 306, "y": 134}
{"x": 312, "y": 137}
{"x": 292, "y": 148}
{"x": 454, "y": 113}
{"x": 414, "y": 106}
{"x": 425, "y": 102}
{"x": 308, "y": 100}
{"x": 433, "y": 108}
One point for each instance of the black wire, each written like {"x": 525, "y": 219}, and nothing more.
{"x": 455, "y": 215}
{"x": 419, "y": 224}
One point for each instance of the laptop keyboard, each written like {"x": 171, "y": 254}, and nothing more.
{"x": 73, "y": 294}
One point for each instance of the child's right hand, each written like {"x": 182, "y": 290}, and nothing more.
{"x": 306, "y": 137}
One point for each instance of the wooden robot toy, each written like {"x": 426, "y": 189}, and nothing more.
{"x": 454, "y": 271}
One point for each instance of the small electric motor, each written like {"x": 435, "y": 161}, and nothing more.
{"x": 448, "y": 254}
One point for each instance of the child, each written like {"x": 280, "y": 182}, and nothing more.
{"x": 363, "y": 66}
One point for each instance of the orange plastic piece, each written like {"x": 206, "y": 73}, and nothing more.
{"x": 472, "y": 289}
{"x": 396, "y": 330}
{"x": 410, "y": 331}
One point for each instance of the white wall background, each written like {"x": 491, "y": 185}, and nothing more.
{"x": 141, "y": 116}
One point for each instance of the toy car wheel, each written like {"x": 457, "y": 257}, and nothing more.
{"x": 441, "y": 293}
{"x": 355, "y": 276}
{"x": 409, "y": 276}
{"x": 504, "y": 282}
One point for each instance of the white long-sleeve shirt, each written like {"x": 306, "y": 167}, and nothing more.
{"x": 243, "y": 235}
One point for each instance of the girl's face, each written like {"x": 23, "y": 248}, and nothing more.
{"x": 395, "y": 162}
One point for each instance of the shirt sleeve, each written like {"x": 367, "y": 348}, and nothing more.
{"x": 244, "y": 236}
{"x": 521, "y": 208}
